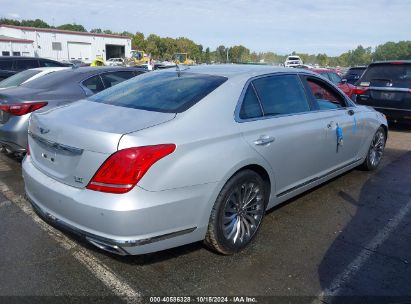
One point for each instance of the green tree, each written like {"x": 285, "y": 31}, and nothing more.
{"x": 393, "y": 51}
{"x": 126, "y": 33}
{"x": 239, "y": 54}
{"x": 137, "y": 42}
{"x": 207, "y": 57}
{"x": 152, "y": 44}
{"x": 72, "y": 27}
{"x": 96, "y": 30}
{"x": 322, "y": 59}
{"x": 9, "y": 21}
{"x": 221, "y": 54}
{"x": 35, "y": 23}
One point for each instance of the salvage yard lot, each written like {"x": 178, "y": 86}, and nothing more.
{"x": 351, "y": 236}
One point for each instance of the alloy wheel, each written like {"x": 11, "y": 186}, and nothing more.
{"x": 377, "y": 148}
{"x": 243, "y": 212}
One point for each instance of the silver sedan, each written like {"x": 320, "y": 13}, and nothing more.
{"x": 179, "y": 156}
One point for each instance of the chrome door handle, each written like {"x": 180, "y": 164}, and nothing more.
{"x": 264, "y": 140}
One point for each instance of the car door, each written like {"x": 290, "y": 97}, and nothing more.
{"x": 277, "y": 121}
{"x": 335, "y": 111}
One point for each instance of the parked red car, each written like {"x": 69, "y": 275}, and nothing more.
{"x": 337, "y": 80}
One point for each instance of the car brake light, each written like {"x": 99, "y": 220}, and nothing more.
{"x": 20, "y": 109}
{"x": 359, "y": 90}
{"x": 28, "y": 150}
{"x": 125, "y": 168}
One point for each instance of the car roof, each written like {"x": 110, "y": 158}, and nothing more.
{"x": 232, "y": 70}
{"x": 73, "y": 75}
{"x": 50, "y": 69}
{"x": 22, "y": 58}
{"x": 99, "y": 69}
{"x": 322, "y": 70}
{"x": 391, "y": 62}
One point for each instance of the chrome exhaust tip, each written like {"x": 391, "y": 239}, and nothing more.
{"x": 107, "y": 247}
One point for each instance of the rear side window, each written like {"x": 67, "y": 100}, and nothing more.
{"x": 334, "y": 78}
{"x": 282, "y": 94}
{"x": 383, "y": 75}
{"x": 166, "y": 92}
{"x": 113, "y": 78}
{"x": 26, "y": 64}
{"x": 325, "y": 97}
{"x": 6, "y": 64}
{"x": 250, "y": 107}
{"x": 49, "y": 63}
{"x": 94, "y": 84}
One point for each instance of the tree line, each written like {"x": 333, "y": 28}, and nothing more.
{"x": 163, "y": 48}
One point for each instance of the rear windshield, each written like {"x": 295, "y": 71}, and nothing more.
{"x": 18, "y": 78}
{"x": 396, "y": 75}
{"x": 160, "y": 92}
{"x": 51, "y": 80}
{"x": 356, "y": 71}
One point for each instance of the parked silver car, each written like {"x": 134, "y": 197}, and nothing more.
{"x": 47, "y": 92}
{"x": 174, "y": 157}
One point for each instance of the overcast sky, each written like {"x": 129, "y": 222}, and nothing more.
{"x": 310, "y": 26}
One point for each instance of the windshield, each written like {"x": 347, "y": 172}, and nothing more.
{"x": 293, "y": 58}
{"x": 181, "y": 57}
{"x": 396, "y": 75}
{"x": 18, "y": 78}
{"x": 136, "y": 54}
{"x": 160, "y": 92}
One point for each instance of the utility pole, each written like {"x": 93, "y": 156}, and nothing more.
{"x": 227, "y": 55}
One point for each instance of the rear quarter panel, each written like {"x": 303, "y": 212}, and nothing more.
{"x": 371, "y": 121}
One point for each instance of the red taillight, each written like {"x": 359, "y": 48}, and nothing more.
{"x": 28, "y": 150}
{"x": 20, "y": 109}
{"x": 359, "y": 90}
{"x": 124, "y": 169}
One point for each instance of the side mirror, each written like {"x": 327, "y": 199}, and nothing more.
{"x": 343, "y": 81}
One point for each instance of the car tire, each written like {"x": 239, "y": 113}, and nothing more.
{"x": 375, "y": 151}
{"x": 237, "y": 213}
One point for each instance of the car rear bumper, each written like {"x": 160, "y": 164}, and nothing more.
{"x": 396, "y": 115}
{"x": 13, "y": 133}
{"x": 137, "y": 222}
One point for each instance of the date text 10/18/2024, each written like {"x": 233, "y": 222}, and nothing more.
{"x": 203, "y": 299}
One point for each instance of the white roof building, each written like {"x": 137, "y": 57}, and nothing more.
{"x": 61, "y": 44}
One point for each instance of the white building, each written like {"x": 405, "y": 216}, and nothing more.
{"x": 60, "y": 44}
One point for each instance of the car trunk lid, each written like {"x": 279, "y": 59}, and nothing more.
{"x": 70, "y": 143}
